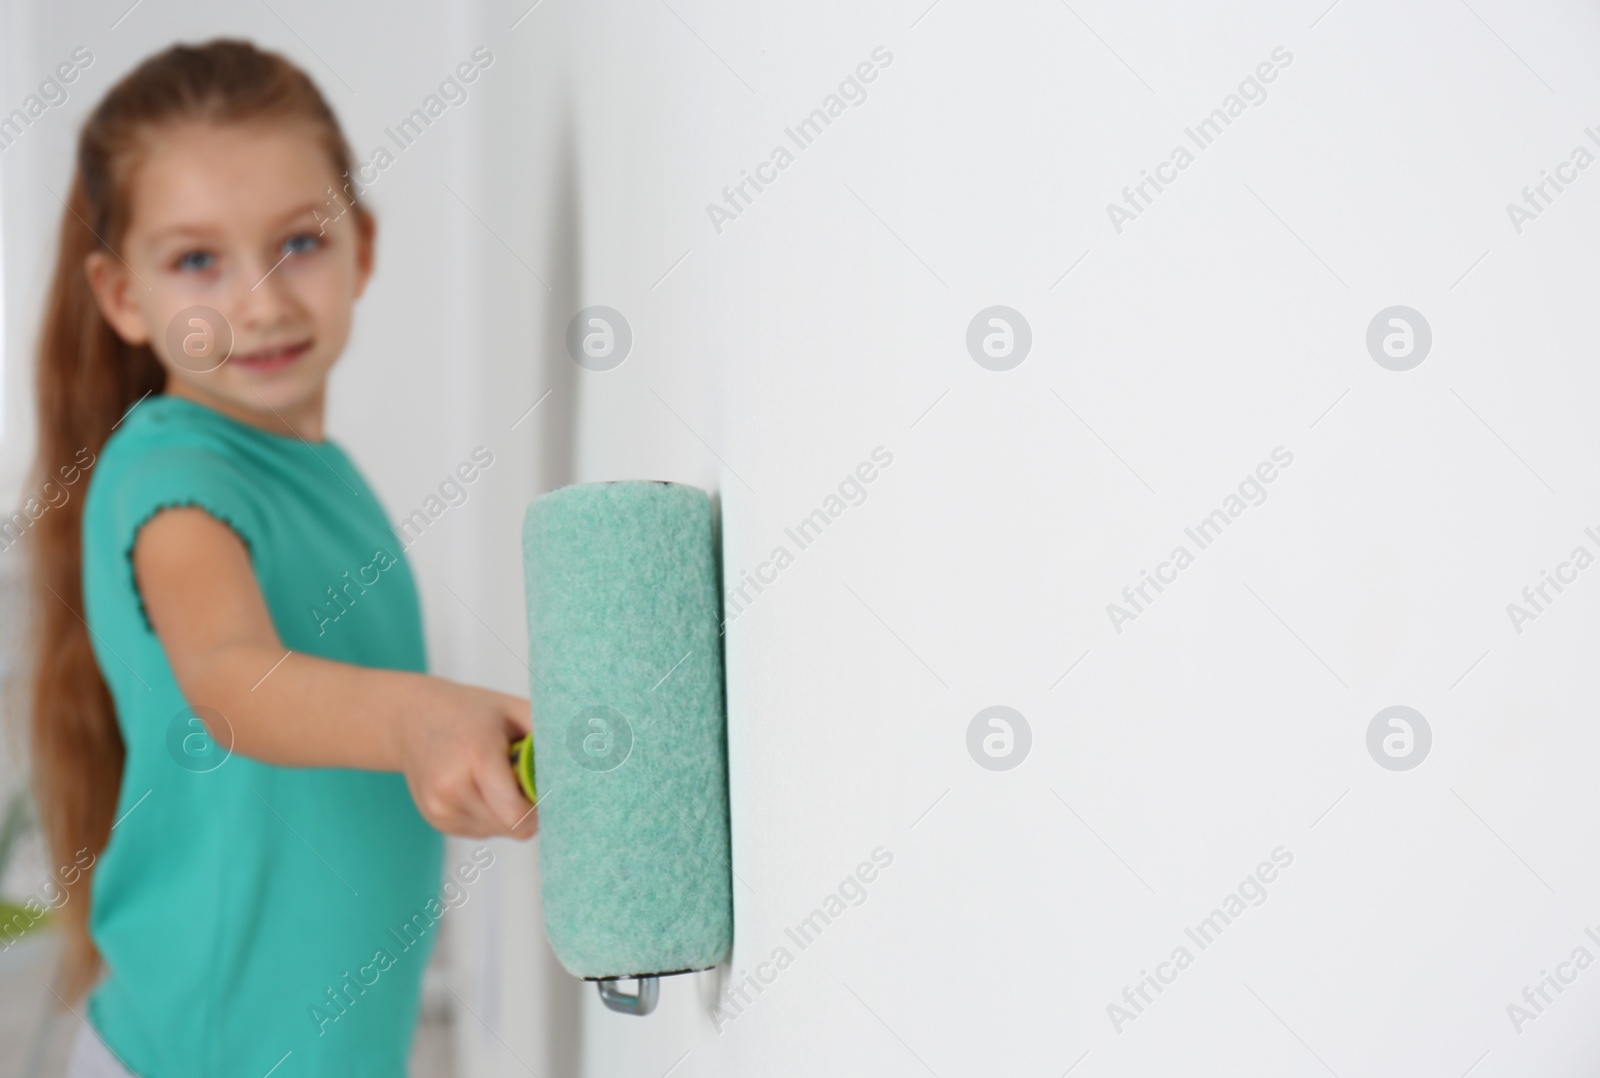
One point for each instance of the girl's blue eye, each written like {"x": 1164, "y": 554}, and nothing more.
{"x": 302, "y": 243}
{"x": 195, "y": 260}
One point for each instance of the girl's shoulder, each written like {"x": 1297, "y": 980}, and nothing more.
{"x": 160, "y": 435}
{"x": 169, "y": 451}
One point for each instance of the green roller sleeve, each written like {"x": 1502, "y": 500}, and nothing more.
{"x": 629, "y": 732}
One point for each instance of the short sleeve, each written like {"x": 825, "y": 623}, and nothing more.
{"x": 175, "y": 476}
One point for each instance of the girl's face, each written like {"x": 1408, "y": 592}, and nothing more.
{"x": 240, "y": 266}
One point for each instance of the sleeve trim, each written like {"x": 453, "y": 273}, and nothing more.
{"x": 177, "y": 501}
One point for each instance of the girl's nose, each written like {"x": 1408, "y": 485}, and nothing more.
{"x": 262, "y": 297}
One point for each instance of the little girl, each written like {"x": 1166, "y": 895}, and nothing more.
{"x": 230, "y": 712}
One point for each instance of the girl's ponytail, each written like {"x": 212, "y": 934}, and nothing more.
{"x": 87, "y": 378}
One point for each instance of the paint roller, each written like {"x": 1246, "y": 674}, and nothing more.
{"x": 628, "y": 757}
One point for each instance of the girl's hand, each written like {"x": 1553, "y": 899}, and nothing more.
{"x": 452, "y": 745}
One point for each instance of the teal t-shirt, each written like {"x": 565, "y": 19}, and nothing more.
{"x": 252, "y": 916}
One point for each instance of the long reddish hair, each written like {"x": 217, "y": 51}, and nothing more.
{"x": 87, "y": 379}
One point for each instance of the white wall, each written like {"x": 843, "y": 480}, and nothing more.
{"x": 1230, "y": 717}
{"x": 1228, "y": 720}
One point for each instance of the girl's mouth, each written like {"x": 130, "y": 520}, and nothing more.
{"x": 270, "y": 360}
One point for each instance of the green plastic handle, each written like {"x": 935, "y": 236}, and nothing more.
{"x": 522, "y": 764}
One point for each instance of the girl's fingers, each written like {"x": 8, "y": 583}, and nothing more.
{"x": 502, "y": 797}
{"x": 461, "y": 814}
{"x": 453, "y": 823}
{"x": 519, "y": 714}
{"x": 528, "y": 823}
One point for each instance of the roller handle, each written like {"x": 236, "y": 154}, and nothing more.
{"x": 522, "y": 766}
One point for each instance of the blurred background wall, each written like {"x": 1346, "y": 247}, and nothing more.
{"x": 1393, "y": 887}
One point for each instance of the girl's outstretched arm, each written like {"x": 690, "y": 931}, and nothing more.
{"x": 296, "y": 710}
